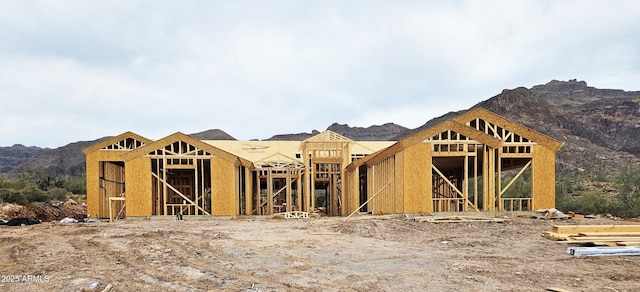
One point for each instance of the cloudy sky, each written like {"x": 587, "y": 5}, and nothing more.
{"x": 80, "y": 70}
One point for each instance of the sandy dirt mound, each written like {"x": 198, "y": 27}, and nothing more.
{"x": 303, "y": 255}
{"x": 45, "y": 212}
{"x": 10, "y": 211}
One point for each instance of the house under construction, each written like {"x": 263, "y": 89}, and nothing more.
{"x": 467, "y": 163}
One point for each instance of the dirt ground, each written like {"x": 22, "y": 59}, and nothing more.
{"x": 317, "y": 254}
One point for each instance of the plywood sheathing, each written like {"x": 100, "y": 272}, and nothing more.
{"x": 224, "y": 193}
{"x": 417, "y": 179}
{"x": 138, "y": 198}
{"x": 544, "y": 171}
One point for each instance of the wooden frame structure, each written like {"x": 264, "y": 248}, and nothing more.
{"x": 106, "y": 171}
{"x": 327, "y": 154}
{"x": 458, "y": 165}
{"x": 281, "y": 177}
{"x": 455, "y": 166}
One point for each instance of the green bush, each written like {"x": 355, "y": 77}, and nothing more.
{"x": 628, "y": 200}
{"x": 520, "y": 188}
{"x": 31, "y": 193}
{"x": 564, "y": 201}
{"x": 12, "y": 196}
{"x": 76, "y": 184}
{"x": 593, "y": 202}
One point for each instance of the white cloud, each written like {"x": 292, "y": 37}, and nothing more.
{"x": 77, "y": 70}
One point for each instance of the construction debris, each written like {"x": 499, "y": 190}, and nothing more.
{"x": 21, "y": 222}
{"x": 552, "y": 213}
{"x": 555, "y": 289}
{"x": 66, "y": 220}
{"x": 458, "y": 219}
{"x": 292, "y": 215}
{"x": 604, "y": 251}
{"x": 379, "y": 217}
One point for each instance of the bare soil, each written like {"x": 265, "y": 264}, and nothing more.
{"x": 317, "y": 254}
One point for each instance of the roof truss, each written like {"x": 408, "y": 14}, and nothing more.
{"x": 505, "y": 129}
{"x": 179, "y": 148}
{"x": 329, "y": 136}
{"x": 125, "y": 144}
{"x": 126, "y": 141}
{"x": 279, "y": 160}
{"x": 180, "y": 145}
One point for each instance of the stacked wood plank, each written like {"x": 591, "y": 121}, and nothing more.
{"x": 607, "y": 235}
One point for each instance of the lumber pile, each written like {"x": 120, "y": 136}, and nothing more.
{"x": 607, "y": 235}
{"x": 458, "y": 219}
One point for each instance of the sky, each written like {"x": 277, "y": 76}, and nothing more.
{"x": 80, "y": 70}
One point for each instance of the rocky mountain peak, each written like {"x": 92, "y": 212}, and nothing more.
{"x": 383, "y": 132}
{"x": 213, "y": 134}
{"x": 600, "y": 128}
{"x": 522, "y": 105}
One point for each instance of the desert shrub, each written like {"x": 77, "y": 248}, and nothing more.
{"x": 31, "y": 193}
{"x": 628, "y": 200}
{"x": 6, "y": 183}
{"x": 564, "y": 201}
{"x": 8, "y": 195}
{"x": 76, "y": 184}
{"x": 58, "y": 194}
{"x": 593, "y": 202}
{"x": 520, "y": 188}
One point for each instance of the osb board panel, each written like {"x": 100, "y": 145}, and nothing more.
{"x": 543, "y": 189}
{"x": 224, "y": 199}
{"x": 417, "y": 178}
{"x": 398, "y": 186}
{"x": 93, "y": 184}
{"x": 248, "y": 191}
{"x": 138, "y": 192}
{"x": 92, "y": 162}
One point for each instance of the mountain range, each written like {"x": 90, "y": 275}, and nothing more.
{"x": 600, "y": 128}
